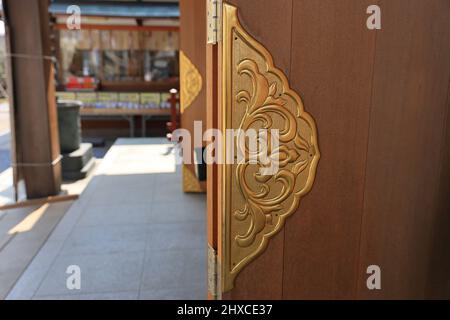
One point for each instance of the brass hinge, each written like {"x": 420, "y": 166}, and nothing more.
{"x": 214, "y": 21}
{"x": 213, "y": 273}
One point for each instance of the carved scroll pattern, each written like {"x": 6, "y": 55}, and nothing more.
{"x": 260, "y": 98}
{"x": 190, "y": 81}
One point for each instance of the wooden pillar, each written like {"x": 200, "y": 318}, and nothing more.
{"x": 33, "y": 96}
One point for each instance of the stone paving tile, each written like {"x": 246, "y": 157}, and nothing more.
{"x": 103, "y": 239}
{"x": 174, "y": 269}
{"x": 131, "y": 295}
{"x": 27, "y": 230}
{"x": 169, "y": 236}
{"x": 99, "y": 215}
{"x": 133, "y": 233}
{"x": 29, "y": 282}
{"x": 180, "y": 211}
{"x": 194, "y": 293}
{"x": 99, "y": 273}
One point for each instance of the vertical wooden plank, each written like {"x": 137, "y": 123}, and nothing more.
{"x": 438, "y": 282}
{"x": 380, "y": 195}
{"x": 270, "y": 23}
{"x": 212, "y": 123}
{"x": 49, "y": 78}
{"x": 412, "y": 69}
{"x": 332, "y": 67}
{"x": 193, "y": 44}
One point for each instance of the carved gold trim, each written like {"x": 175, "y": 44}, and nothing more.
{"x": 190, "y": 181}
{"x": 190, "y": 82}
{"x": 257, "y": 95}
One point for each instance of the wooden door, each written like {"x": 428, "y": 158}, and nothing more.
{"x": 193, "y": 84}
{"x": 374, "y": 106}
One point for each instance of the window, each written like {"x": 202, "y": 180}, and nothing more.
{"x": 118, "y": 55}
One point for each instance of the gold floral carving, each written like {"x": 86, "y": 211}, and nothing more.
{"x": 256, "y": 95}
{"x": 190, "y": 82}
{"x": 190, "y": 181}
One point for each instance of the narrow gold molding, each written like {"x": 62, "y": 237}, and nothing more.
{"x": 190, "y": 181}
{"x": 190, "y": 82}
{"x": 257, "y": 95}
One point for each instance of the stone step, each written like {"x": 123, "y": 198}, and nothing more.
{"x": 81, "y": 174}
{"x": 76, "y": 160}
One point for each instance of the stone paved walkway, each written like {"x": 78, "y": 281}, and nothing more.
{"x": 133, "y": 233}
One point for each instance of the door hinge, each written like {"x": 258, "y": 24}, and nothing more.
{"x": 213, "y": 273}
{"x": 214, "y": 21}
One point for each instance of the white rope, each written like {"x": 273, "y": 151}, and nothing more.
{"x": 29, "y": 56}
{"x": 38, "y": 164}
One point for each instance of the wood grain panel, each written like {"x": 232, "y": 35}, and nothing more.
{"x": 380, "y": 100}
{"x": 438, "y": 283}
{"x": 404, "y": 154}
{"x": 212, "y": 101}
{"x": 332, "y": 66}
{"x": 263, "y": 278}
{"x": 270, "y": 23}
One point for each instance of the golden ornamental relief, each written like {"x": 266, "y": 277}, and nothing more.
{"x": 190, "y": 82}
{"x": 190, "y": 181}
{"x": 256, "y": 95}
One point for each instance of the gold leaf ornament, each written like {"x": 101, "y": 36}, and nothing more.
{"x": 257, "y": 96}
{"x": 190, "y": 82}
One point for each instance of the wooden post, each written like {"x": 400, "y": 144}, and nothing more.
{"x": 35, "y": 115}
